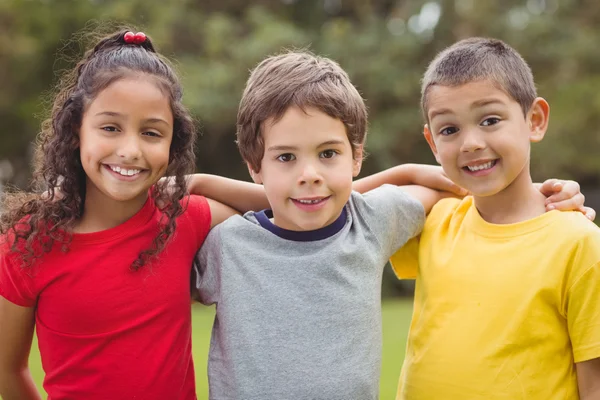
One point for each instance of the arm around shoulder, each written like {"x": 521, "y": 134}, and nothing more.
{"x": 427, "y": 197}
{"x": 219, "y": 212}
{"x": 239, "y": 195}
{"x": 16, "y": 333}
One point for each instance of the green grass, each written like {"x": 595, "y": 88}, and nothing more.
{"x": 396, "y": 319}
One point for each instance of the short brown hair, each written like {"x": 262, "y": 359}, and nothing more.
{"x": 477, "y": 59}
{"x": 299, "y": 79}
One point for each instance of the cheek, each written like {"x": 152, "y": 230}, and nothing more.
{"x": 447, "y": 152}
{"x": 91, "y": 153}
{"x": 159, "y": 156}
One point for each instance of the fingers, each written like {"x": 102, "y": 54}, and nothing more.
{"x": 590, "y": 213}
{"x": 574, "y": 203}
{"x": 448, "y": 186}
{"x": 558, "y": 191}
{"x": 549, "y": 187}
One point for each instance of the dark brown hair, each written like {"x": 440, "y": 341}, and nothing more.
{"x": 35, "y": 221}
{"x": 477, "y": 59}
{"x": 298, "y": 79}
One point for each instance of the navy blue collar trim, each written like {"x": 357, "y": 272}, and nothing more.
{"x": 301, "y": 236}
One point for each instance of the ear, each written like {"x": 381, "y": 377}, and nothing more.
{"x": 431, "y": 143}
{"x": 537, "y": 119}
{"x": 357, "y": 161}
{"x": 256, "y": 176}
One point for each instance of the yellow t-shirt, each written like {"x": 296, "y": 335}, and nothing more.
{"x": 501, "y": 311}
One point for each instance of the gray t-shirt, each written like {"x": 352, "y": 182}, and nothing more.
{"x": 298, "y": 314}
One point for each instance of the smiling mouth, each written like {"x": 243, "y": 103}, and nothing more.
{"x": 480, "y": 167}
{"x": 125, "y": 172}
{"x": 311, "y": 201}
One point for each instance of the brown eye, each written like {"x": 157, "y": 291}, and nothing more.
{"x": 286, "y": 157}
{"x": 448, "y": 131}
{"x": 490, "y": 121}
{"x": 328, "y": 154}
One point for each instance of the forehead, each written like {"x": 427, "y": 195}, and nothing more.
{"x": 139, "y": 95}
{"x": 472, "y": 95}
{"x": 303, "y": 126}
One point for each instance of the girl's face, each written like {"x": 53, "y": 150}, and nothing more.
{"x": 125, "y": 137}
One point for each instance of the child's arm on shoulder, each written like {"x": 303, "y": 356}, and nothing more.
{"x": 219, "y": 212}
{"x": 563, "y": 195}
{"x": 16, "y": 333}
{"x": 428, "y": 197}
{"x": 239, "y": 195}
{"x": 429, "y": 176}
{"x": 588, "y": 379}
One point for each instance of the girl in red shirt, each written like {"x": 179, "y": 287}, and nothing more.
{"x": 102, "y": 271}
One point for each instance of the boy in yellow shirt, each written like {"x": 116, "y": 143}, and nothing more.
{"x": 507, "y": 300}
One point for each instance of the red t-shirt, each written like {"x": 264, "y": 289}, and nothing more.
{"x": 105, "y": 331}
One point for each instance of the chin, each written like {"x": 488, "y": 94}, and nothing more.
{"x": 485, "y": 192}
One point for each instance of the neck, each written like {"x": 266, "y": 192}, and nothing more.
{"x": 101, "y": 213}
{"x": 518, "y": 202}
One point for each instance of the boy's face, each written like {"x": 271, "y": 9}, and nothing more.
{"x": 480, "y": 136}
{"x": 307, "y": 168}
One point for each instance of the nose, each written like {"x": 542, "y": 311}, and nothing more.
{"x": 129, "y": 148}
{"x": 309, "y": 175}
{"x": 472, "y": 140}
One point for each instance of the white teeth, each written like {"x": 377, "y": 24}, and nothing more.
{"x": 309, "y": 201}
{"x": 125, "y": 172}
{"x": 480, "y": 167}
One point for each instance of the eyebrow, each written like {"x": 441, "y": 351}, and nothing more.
{"x": 290, "y": 148}
{"x": 116, "y": 114}
{"x": 476, "y": 104}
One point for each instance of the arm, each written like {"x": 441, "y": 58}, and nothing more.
{"x": 588, "y": 379}
{"x": 239, "y": 195}
{"x": 16, "y": 333}
{"x": 430, "y": 176}
{"x": 427, "y": 197}
{"x": 563, "y": 195}
{"x": 219, "y": 212}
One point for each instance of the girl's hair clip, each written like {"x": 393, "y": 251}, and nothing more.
{"x": 134, "y": 38}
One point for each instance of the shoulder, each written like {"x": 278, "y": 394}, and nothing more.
{"x": 574, "y": 228}
{"x": 449, "y": 209}
{"x": 233, "y": 233}
{"x": 195, "y": 203}
{"x": 237, "y": 224}
{"x": 196, "y": 209}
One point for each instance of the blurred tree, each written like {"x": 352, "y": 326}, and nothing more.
{"x": 385, "y": 45}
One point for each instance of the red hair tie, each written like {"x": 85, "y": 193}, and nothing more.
{"x": 137, "y": 38}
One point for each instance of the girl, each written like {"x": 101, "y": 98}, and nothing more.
{"x": 102, "y": 271}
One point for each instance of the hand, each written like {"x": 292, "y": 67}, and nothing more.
{"x": 434, "y": 177}
{"x": 565, "y": 195}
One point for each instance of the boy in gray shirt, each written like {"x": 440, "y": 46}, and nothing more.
{"x": 297, "y": 287}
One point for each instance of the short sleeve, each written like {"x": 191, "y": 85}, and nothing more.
{"x": 405, "y": 262}
{"x": 16, "y": 283}
{"x": 583, "y": 315}
{"x": 198, "y": 216}
{"x": 393, "y": 215}
{"x": 206, "y": 269}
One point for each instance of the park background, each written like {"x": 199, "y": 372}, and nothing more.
{"x": 384, "y": 45}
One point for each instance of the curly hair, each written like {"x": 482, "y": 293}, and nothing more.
{"x": 36, "y": 221}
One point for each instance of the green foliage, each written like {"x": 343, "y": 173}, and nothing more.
{"x": 384, "y": 45}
